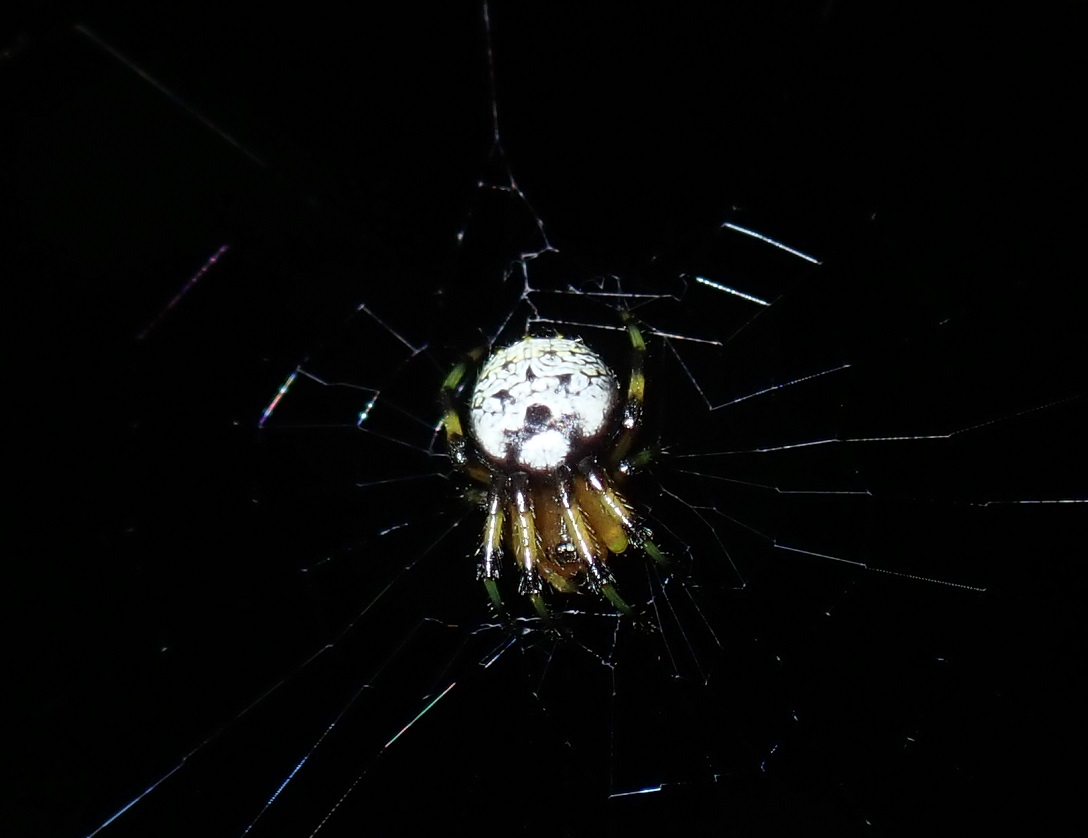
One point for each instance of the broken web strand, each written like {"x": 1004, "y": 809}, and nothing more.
{"x": 185, "y": 289}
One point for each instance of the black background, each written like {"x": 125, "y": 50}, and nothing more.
{"x": 155, "y": 573}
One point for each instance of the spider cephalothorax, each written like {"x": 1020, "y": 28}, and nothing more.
{"x": 549, "y": 434}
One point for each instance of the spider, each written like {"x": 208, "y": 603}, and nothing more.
{"x": 549, "y": 437}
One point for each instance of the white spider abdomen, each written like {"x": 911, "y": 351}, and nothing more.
{"x": 540, "y": 403}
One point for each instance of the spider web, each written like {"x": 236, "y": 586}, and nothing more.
{"x": 260, "y": 610}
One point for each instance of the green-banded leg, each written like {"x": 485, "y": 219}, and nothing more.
{"x": 489, "y": 567}
{"x": 523, "y": 531}
{"x": 636, "y": 392}
{"x": 616, "y": 508}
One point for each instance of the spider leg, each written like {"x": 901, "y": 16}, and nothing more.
{"x": 614, "y": 518}
{"x": 523, "y": 536}
{"x": 451, "y": 420}
{"x": 636, "y": 391}
{"x": 490, "y": 564}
